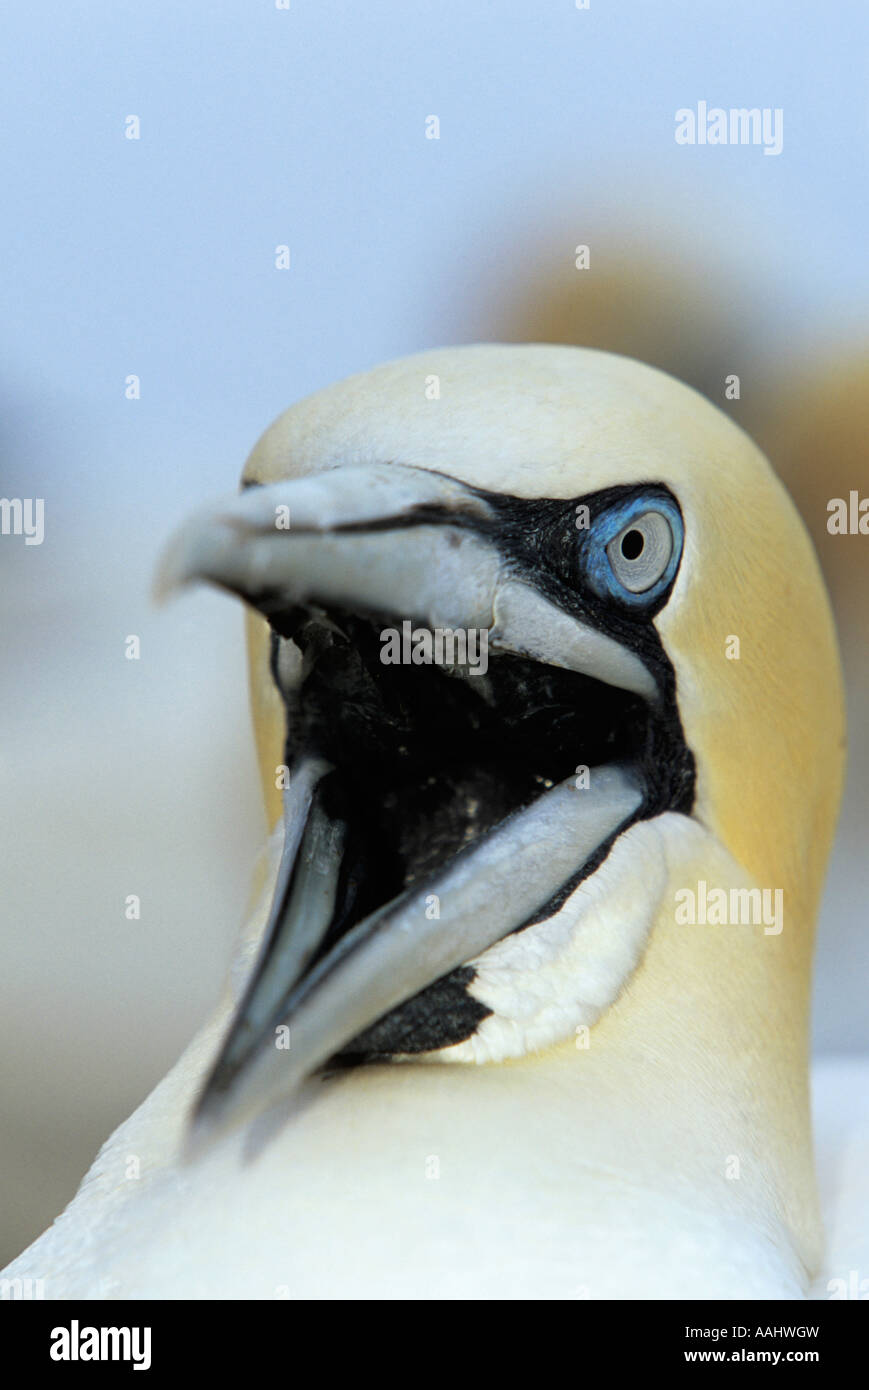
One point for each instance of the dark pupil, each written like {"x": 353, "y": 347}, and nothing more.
{"x": 632, "y": 544}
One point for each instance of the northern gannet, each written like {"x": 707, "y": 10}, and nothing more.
{"x": 541, "y": 1079}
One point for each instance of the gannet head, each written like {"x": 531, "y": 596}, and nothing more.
{"x": 480, "y": 843}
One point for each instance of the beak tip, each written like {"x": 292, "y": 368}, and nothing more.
{"x": 204, "y": 549}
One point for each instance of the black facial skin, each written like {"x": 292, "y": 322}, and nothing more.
{"x": 423, "y": 762}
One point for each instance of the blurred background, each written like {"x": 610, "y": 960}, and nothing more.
{"x": 306, "y": 126}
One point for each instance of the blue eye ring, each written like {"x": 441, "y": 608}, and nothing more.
{"x": 632, "y": 551}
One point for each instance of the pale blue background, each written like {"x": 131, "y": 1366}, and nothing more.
{"x": 155, "y": 257}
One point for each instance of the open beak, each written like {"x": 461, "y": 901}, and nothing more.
{"x": 428, "y": 814}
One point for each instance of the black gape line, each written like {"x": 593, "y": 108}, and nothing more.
{"x": 425, "y": 762}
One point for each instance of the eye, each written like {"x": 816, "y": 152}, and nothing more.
{"x": 632, "y": 550}
{"x": 641, "y": 552}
